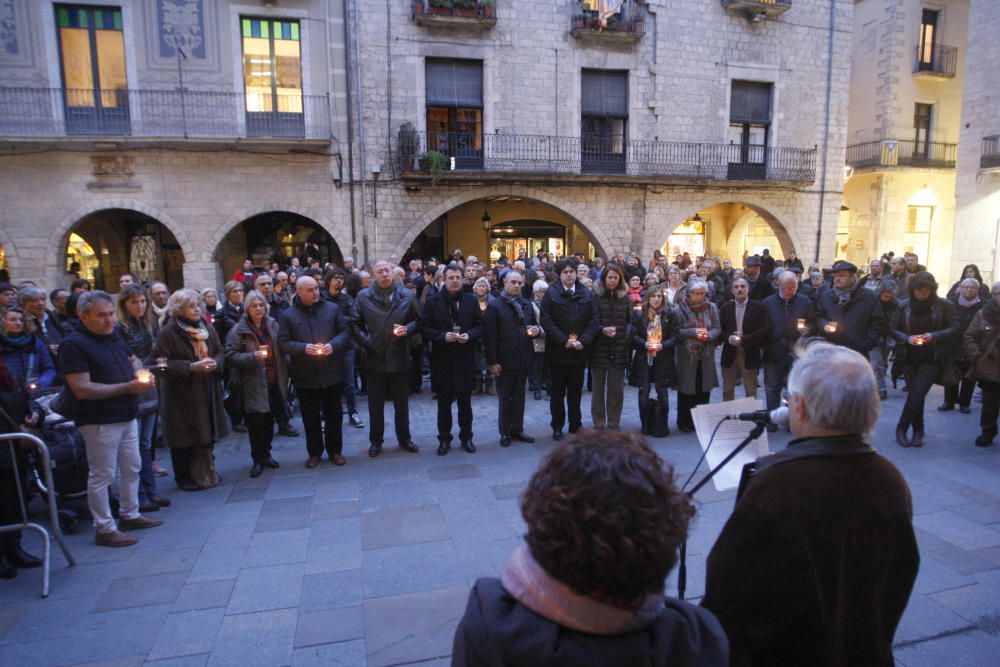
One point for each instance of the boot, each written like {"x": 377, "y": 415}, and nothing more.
{"x": 7, "y": 571}
{"x": 479, "y": 387}
{"x": 918, "y": 437}
{"x": 491, "y": 386}
{"x": 15, "y": 555}
{"x": 901, "y": 438}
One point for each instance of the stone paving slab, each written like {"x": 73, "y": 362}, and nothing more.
{"x": 370, "y": 564}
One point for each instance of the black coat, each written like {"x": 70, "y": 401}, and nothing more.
{"x": 963, "y": 315}
{"x": 761, "y": 289}
{"x": 944, "y": 328}
{"x": 612, "y": 309}
{"x": 662, "y": 371}
{"x": 755, "y": 332}
{"x": 385, "y": 352}
{"x": 225, "y": 320}
{"x": 858, "y": 321}
{"x": 301, "y": 325}
{"x": 816, "y": 563}
{"x": 453, "y": 365}
{"x": 497, "y": 630}
{"x": 506, "y": 335}
{"x": 783, "y": 321}
{"x": 563, "y": 315}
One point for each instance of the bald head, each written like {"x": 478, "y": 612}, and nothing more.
{"x": 788, "y": 285}
{"x": 308, "y": 290}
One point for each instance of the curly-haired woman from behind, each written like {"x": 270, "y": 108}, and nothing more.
{"x": 605, "y": 522}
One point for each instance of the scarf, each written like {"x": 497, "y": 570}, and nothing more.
{"x": 922, "y": 307}
{"x": 198, "y": 334}
{"x": 21, "y": 342}
{"x": 160, "y": 313}
{"x": 385, "y": 294}
{"x": 695, "y": 317}
{"x": 635, "y": 295}
{"x": 513, "y": 302}
{"x": 967, "y": 303}
{"x": 528, "y": 582}
{"x": 844, "y": 295}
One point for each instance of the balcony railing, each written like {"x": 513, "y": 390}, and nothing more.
{"x": 758, "y": 10}
{"x": 902, "y": 153}
{"x": 936, "y": 60}
{"x": 991, "y": 152}
{"x": 609, "y": 156}
{"x": 470, "y": 13}
{"x": 628, "y": 23}
{"x": 57, "y": 112}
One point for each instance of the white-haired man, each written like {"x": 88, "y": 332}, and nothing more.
{"x": 816, "y": 563}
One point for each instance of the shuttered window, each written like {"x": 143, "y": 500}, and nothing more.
{"x": 604, "y": 93}
{"x": 750, "y": 102}
{"x": 454, "y": 83}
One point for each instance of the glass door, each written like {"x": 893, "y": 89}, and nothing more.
{"x": 272, "y": 78}
{"x": 928, "y": 39}
{"x": 748, "y": 151}
{"x": 603, "y": 145}
{"x": 92, "y": 58}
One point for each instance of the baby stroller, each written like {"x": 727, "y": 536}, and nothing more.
{"x": 68, "y": 458}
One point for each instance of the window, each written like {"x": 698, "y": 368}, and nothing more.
{"x": 454, "y": 91}
{"x": 604, "y": 121}
{"x": 749, "y": 124}
{"x": 272, "y": 77}
{"x": 92, "y": 58}
{"x": 928, "y": 40}
{"x": 921, "y": 130}
{"x": 918, "y": 231}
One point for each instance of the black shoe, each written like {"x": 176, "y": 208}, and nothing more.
{"x": 408, "y": 446}
{"x": 505, "y": 441}
{"x": 945, "y": 407}
{"x": 443, "y": 448}
{"x": 901, "y": 438}
{"x": 964, "y": 409}
{"x": 240, "y": 428}
{"x": 521, "y": 436}
{"x": 271, "y": 463}
{"x": 883, "y": 394}
{"x": 147, "y": 506}
{"x": 984, "y": 441}
{"x": 374, "y": 450}
{"x": 256, "y": 470}
{"x": 538, "y": 395}
{"x": 160, "y": 500}
{"x": 7, "y": 571}
{"x": 686, "y": 429}
{"x": 288, "y": 430}
{"x": 14, "y": 555}
{"x": 918, "y": 438}
{"x": 557, "y": 435}
{"x": 468, "y": 446}
{"x": 575, "y": 429}
{"x": 356, "y": 421}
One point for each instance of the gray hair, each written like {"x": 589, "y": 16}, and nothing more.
{"x": 253, "y": 296}
{"x": 180, "y": 300}
{"x": 30, "y": 294}
{"x": 512, "y": 273}
{"x": 697, "y": 284}
{"x": 786, "y": 276}
{"x": 88, "y": 300}
{"x": 538, "y": 285}
{"x": 482, "y": 281}
{"x": 838, "y": 387}
{"x": 970, "y": 282}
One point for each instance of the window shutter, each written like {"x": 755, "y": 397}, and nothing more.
{"x": 454, "y": 83}
{"x": 604, "y": 93}
{"x": 750, "y": 102}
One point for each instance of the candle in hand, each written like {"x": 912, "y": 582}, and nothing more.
{"x": 161, "y": 362}
{"x": 143, "y": 376}
{"x": 831, "y": 327}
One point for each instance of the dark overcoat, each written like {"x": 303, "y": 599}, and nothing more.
{"x": 372, "y": 330}
{"x": 611, "y": 309}
{"x": 859, "y": 321}
{"x": 564, "y": 314}
{"x": 301, "y": 325}
{"x": 453, "y": 365}
{"x": 506, "y": 335}
{"x": 661, "y": 372}
{"x": 190, "y": 402}
{"x": 252, "y": 372}
{"x": 783, "y": 325}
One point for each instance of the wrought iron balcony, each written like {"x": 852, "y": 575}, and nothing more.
{"x": 758, "y": 10}
{"x": 457, "y": 154}
{"x": 937, "y": 60}
{"x": 628, "y": 24}
{"x": 888, "y": 153}
{"x": 479, "y": 14}
{"x": 990, "y": 158}
{"x": 59, "y": 112}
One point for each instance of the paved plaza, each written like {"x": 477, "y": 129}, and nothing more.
{"x": 370, "y": 564}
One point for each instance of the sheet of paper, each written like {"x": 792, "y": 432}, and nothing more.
{"x": 730, "y": 434}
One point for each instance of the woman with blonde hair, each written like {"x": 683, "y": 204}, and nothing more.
{"x": 191, "y": 398}
{"x": 653, "y": 339}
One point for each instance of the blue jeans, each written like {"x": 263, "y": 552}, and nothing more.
{"x": 348, "y": 387}
{"x": 775, "y": 374}
{"x": 147, "y": 479}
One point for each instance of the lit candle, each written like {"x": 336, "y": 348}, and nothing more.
{"x": 736, "y": 340}
{"x": 831, "y": 327}
{"x": 161, "y": 363}
{"x": 263, "y": 351}
{"x": 802, "y": 323}
{"x": 143, "y": 376}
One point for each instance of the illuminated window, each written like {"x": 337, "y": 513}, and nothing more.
{"x": 272, "y": 76}
{"x": 454, "y": 91}
{"x": 918, "y": 231}
{"x": 928, "y": 39}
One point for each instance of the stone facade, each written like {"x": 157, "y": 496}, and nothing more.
{"x": 679, "y": 76}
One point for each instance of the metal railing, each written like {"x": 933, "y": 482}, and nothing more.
{"x": 991, "y": 152}
{"x": 936, "y": 59}
{"x": 629, "y": 19}
{"x": 542, "y": 154}
{"x": 46, "y": 112}
{"x": 902, "y": 153}
{"x": 473, "y": 9}
{"x": 752, "y": 4}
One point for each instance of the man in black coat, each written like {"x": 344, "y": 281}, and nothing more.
{"x": 387, "y": 319}
{"x": 744, "y": 332}
{"x": 509, "y": 325}
{"x": 848, "y": 314}
{"x": 452, "y": 322}
{"x": 758, "y": 282}
{"x": 789, "y": 316}
{"x": 817, "y": 561}
{"x": 570, "y": 328}
{"x": 314, "y": 336}
{"x": 334, "y": 280}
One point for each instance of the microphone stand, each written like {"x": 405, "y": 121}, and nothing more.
{"x": 758, "y": 429}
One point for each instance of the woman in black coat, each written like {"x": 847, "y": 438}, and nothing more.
{"x": 613, "y": 311}
{"x": 970, "y": 271}
{"x": 923, "y": 329}
{"x": 653, "y": 338}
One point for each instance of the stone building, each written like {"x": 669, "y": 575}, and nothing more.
{"x": 907, "y": 64}
{"x": 177, "y": 137}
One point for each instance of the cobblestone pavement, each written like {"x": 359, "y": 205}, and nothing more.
{"x": 370, "y": 564}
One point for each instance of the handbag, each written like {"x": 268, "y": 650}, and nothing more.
{"x": 64, "y": 404}
{"x": 950, "y": 374}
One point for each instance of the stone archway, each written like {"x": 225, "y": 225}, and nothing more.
{"x": 211, "y": 246}
{"x": 13, "y": 261}
{"x": 599, "y": 238}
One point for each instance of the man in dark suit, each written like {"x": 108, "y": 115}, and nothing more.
{"x": 758, "y": 282}
{"x": 789, "y": 316}
{"x": 509, "y": 326}
{"x": 848, "y": 314}
{"x": 452, "y": 322}
{"x": 744, "y": 332}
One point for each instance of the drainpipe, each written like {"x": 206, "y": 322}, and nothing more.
{"x": 361, "y": 127}
{"x": 826, "y": 128}
{"x": 350, "y": 129}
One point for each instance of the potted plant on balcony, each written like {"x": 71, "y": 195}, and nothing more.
{"x": 488, "y": 9}
{"x": 435, "y": 162}
{"x": 409, "y": 144}
{"x": 440, "y": 7}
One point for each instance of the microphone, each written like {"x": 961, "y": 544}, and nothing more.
{"x": 777, "y": 417}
